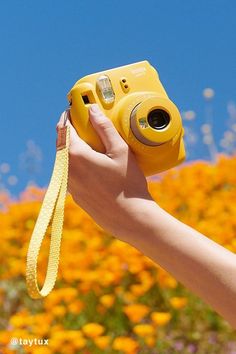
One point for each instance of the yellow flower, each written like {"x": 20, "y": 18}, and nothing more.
{"x": 143, "y": 330}
{"x": 93, "y": 330}
{"x": 136, "y": 312}
{"x": 107, "y": 300}
{"x": 161, "y": 318}
{"x": 178, "y": 302}
{"x": 125, "y": 344}
{"x": 102, "y": 342}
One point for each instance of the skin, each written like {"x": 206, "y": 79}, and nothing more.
{"x": 111, "y": 188}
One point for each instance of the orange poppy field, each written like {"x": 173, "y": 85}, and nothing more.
{"x": 110, "y": 298}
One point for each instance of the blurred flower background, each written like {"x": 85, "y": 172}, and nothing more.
{"x": 109, "y": 298}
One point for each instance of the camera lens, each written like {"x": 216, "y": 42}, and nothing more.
{"x": 158, "y": 119}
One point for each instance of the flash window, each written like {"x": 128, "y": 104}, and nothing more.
{"x": 105, "y": 88}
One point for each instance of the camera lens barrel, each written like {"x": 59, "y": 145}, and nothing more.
{"x": 158, "y": 119}
{"x": 153, "y": 120}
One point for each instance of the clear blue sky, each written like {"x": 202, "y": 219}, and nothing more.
{"x": 47, "y": 45}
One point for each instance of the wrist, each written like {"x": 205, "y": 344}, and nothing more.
{"x": 142, "y": 218}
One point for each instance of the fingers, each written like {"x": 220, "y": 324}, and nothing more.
{"x": 111, "y": 139}
{"x": 113, "y": 142}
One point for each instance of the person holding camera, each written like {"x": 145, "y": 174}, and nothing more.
{"x": 112, "y": 188}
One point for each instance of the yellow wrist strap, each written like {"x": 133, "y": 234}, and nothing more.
{"x": 52, "y": 207}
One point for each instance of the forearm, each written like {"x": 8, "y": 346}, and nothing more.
{"x": 200, "y": 264}
{"x": 113, "y": 190}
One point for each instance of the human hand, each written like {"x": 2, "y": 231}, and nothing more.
{"x": 110, "y": 187}
{"x": 113, "y": 190}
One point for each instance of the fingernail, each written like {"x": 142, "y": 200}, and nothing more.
{"x": 95, "y": 108}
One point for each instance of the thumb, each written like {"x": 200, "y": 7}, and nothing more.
{"x": 110, "y": 137}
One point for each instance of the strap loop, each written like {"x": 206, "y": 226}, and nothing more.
{"x": 52, "y": 208}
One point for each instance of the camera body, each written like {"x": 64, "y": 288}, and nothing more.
{"x": 133, "y": 97}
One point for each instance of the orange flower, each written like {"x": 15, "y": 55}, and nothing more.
{"x": 107, "y": 278}
{"x": 178, "y": 302}
{"x": 67, "y": 341}
{"x": 125, "y": 344}
{"x": 136, "y": 312}
{"x": 93, "y": 330}
{"x": 42, "y": 350}
{"x": 53, "y": 299}
{"x": 138, "y": 289}
{"x": 5, "y": 337}
{"x": 144, "y": 330}
{"x": 161, "y": 318}
{"x": 107, "y": 300}
{"x": 76, "y": 306}
{"x": 102, "y": 342}
{"x": 21, "y": 319}
{"x": 69, "y": 294}
{"x": 58, "y": 311}
{"x": 165, "y": 279}
{"x": 91, "y": 261}
{"x": 18, "y": 321}
{"x": 135, "y": 266}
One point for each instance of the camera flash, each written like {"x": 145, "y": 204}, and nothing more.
{"x": 105, "y": 88}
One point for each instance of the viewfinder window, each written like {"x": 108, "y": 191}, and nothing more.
{"x": 85, "y": 99}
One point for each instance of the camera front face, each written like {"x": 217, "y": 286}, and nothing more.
{"x": 154, "y": 120}
{"x": 133, "y": 97}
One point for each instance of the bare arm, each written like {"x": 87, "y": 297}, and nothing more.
{"x": 202, "y": 265}
{"x": 113, "y": 190}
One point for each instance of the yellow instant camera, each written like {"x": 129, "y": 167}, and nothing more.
{"x": 133, "y": 97}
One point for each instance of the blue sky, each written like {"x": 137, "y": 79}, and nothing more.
{"x": 47, "y": 45}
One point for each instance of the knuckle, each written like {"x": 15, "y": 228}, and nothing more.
{"x": 78, "y": 157}
{"x": 119, "y": 151}
{"x": 122, "y": 148}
